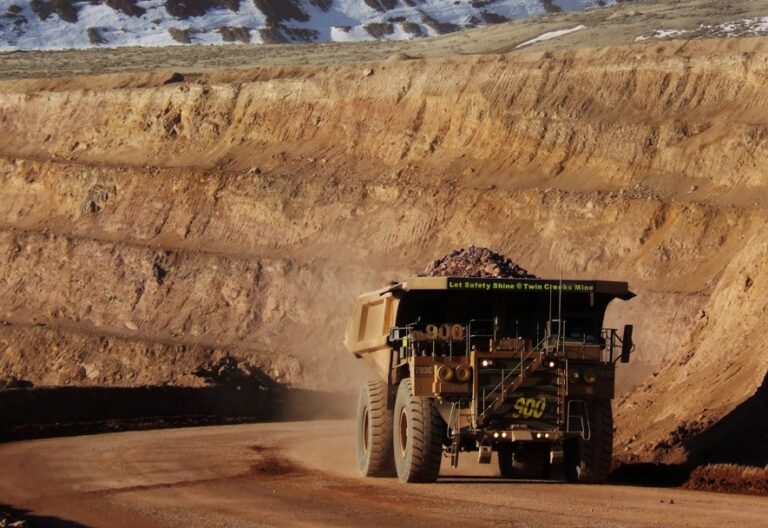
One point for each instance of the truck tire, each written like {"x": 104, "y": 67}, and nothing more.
{"x": 374, "y": 432}
{"x": 504, "y": 456}
{"x": 589, "y": 461}
{"x": 417, "y": 437}
{"x": 531, "y": 461}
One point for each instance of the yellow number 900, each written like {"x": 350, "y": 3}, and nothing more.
{"x": 529, "y": 408}
{"x": 445, "y": 332}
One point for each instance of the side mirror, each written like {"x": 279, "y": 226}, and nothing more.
{"x": 626, "y": 343}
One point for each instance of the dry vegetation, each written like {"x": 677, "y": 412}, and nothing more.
{"x": 729, "y": 478}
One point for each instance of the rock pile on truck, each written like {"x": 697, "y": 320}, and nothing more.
{"x": 476, "y": 261}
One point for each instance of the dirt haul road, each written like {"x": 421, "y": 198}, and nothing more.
{"x": 301, "y": 474}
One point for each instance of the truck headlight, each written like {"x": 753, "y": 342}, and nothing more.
{"x": 575, "y": 375}
{"x": 444, "y": 373}
{"x": 590, "y": 375}
{"x": 463, "y": 373}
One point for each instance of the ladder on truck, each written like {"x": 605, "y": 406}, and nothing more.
{"x": 525, "y": 372}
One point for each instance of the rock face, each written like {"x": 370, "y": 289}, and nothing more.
{"x": 476, "y": 262}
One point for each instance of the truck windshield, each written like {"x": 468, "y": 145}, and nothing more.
{"x": 583, "y": 329}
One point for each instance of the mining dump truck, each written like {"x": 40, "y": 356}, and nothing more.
{"x": 519, "y": 367}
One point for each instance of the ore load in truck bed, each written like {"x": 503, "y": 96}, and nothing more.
{"x": 476, "y": 262}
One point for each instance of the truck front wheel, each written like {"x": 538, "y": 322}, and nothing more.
{"x": 374, "y": 432}
{"x": 417, "y": 436}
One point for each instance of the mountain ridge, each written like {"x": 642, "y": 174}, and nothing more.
{"x": 68, "y": 24}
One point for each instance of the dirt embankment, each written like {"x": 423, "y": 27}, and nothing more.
{"x": 146, "y": 227}
{"x": 730, "y": 478}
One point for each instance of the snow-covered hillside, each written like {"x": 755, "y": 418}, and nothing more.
{"x": 59, "y": 24}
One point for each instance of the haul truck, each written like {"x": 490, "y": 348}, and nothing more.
{"x": 520, "y": 367}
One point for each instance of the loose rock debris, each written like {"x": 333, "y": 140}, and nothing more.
{"x": 476, "y": 262}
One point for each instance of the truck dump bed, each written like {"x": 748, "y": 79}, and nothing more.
{"x": 524, "y": 301}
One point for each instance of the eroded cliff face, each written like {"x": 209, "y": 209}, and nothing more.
{"x": 149, "y": 226}
{"x": 578, "y": 120}
{"x": 718, "y": 366}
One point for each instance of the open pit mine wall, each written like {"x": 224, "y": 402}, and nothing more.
{"x": 146, "y": 227}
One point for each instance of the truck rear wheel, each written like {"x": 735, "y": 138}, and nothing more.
{"x": 531, "y": 461}
{"x": 417, "y": 436}
{"x": 527, "y": 461}
{"x": 504, "y": 455}
{"x": 374, "y": 432}
{"x": 589, "y": 461}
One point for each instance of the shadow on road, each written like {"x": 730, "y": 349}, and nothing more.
{"x": 231, "y": 396}
{"x": 495, "y": 480}
{"x": 651, "y": 475}
{"x": 9, "y": 515}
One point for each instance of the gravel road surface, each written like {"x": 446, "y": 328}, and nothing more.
{"x": 302, "y": 474}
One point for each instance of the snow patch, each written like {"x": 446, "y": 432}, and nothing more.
{"x": 747, "y": 27}
{"x": 99, "y": 25}
{"x": 550, "y": 35}
{"x": 664, "y": 33}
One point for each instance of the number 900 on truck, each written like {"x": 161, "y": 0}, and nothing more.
{"x": 518, "y": 367}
